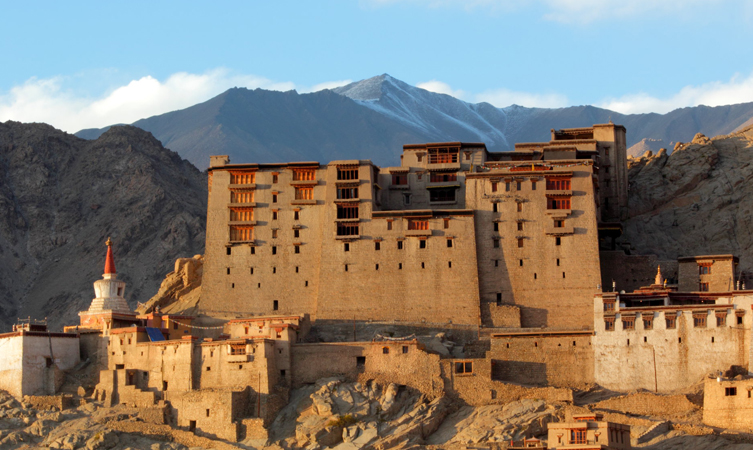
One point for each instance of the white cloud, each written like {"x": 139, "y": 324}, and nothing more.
{"x": 327, "y": 85}
{"x": 736, "y": 90}
{"x": 571, "y": 11}
{"x": 50, "y": 101}
{"x": 505, "y": 97}
{"x": 441, "y": 88}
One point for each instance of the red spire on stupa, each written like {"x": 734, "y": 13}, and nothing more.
{"x": 110, "y": 261}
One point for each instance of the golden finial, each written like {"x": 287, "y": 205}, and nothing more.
{"x": 108, "y": 242}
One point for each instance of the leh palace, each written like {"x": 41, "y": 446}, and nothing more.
{"x": 477, "y": 276}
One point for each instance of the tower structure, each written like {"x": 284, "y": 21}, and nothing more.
{"x": 109, "y": 308}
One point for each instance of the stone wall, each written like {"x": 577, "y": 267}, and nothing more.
{"x": 500, "y": 316}
{"x": 647, "y": 404}
{"x": 722, "y": 276}
{"x": 727, "y": 403}
{"x": 559, "y": 360}
{"x": 11, "y": 347}
{"x": 212, "y": 413}
{"x": 50, "y": 402}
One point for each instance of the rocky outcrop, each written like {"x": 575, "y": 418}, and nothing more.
{"x": 180, "y": 290}
{"x": 61, "y": 197}
{"x": 695, "y": 201}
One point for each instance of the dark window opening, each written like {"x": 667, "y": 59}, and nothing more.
{"x": 377, "y": 245}
{"x": 449, "y": 243}
{"x": 229, "y": 250}
{"x": 275, "y": 305}
{"x": 422, "y": 243}
{"x": 442, "y": 195}
{"x": 360, "y": 361}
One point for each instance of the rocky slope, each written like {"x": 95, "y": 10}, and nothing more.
{"x": 62, "y": 196}
{"x": 698, "y": 200}
{"x": 373, "y": 118}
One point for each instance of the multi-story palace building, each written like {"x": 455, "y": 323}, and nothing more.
{"x": 455, "y": 234}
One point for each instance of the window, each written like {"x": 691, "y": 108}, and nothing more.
{"x": 520, "y": 242}
{"x": 360, "y": 361}
{"x": 241, "y": 214}
{"x": 443, "y": 155}
{"x": 422, "y": 243}
{"x": 399, "y": 179}
{"x": 496, "y": 243}
{"x": 296, "y": 233}
{"x": 730, "y": 391}
{"x": 463, "y": 367}
{"x": 274, "y": 198}
{"x": 520, "y": 206}
{"x": 703, "y": 287}
{"x": 241, "y": 234}
{"x": 274, "y": 214}
{"x": 557, "y": 203}
{"x": 494, "y": 186}
{"x": 389, "y": 225}
{"x": 496, "y": 226}
{"x": 496, "y": 263}
{"x": 518, "y": 185}
{"x": 274, "y": 178}
{"x": 238, "y": 196}
{"x": 699, "y": 320}
{"x": 520, "y": 263}
{"x": 347, "y": 173}
{"x": 386, "y": 350}
{"x": 648, "y": 322}
{"x": 399, "y": 245}
{"x": 347, "y": 211}
{"x": 704, "y": 269}
{"x": 253, "y": 250}
{"x": 557, "y": 240}
{"x": 494, "y": 207}
{"x": 499, "y": 298}
{"x": 439, "y": 177}
{"x": 346, "y": 247}
{"x": 609, "y": 323}
{"x": 449, "y": 243}
{"x": 376, "y": 267}
{"x": 577, "y": 436}
{"x": 414, "y": 224}
{"x": 377, "y": 245}
{"x": 520, "y": 226}
{"x": 507, "y": 186}
{"x": 304, "y": 174}
{"x": 405, "y": 349}
{"x": 274, "y": 234}
{"x": 275, "y": 305}
{"x": 533, "y": 185}
{"x": 304, "y": 193}
{"x": 628, "y": 323}
{"x": 347, "y": 228}
{"x": 237, "y": 349}
{"x": 721, "y": 319}
{"x": 608, "y": 305}
{"x": 274, "y": 250}
{"x": 297, "y": 248}
{"x": 406, "y": 199}
{"x": 446, "y": 223}
{"x": 559, "y": 223}
{"x": 558, "y": 184}
{"x": 296, "y": 215}
{"x": 345, "y": 193}
{"x": 671, "y": 320}
{"x": 242, "y": 177}
{"x": 442, "y": 195}
{"x": 346, "y": 267}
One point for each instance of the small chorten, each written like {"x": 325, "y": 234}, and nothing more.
{"x": 659, "y": 281}
{"x": 109, "y": 298}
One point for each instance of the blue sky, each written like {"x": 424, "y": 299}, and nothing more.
{"x": 88, "y": 64}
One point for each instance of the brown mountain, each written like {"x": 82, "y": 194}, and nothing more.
{"x": 698, "y": 200}
{"x": 62, "y": 196}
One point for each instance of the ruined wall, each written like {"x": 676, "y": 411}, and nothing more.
{"x": 647, "y": 404}
{"x": 563, "y": 361}
{"x": 386, "y": 362}
{"x": 50, "y": 402}
{"x": 553, "y": 285}
{"x": 208, "y": 412}
{"x": 666, "y": 359}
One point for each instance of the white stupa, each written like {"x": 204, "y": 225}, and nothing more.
{"x": 109, "y": 290}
